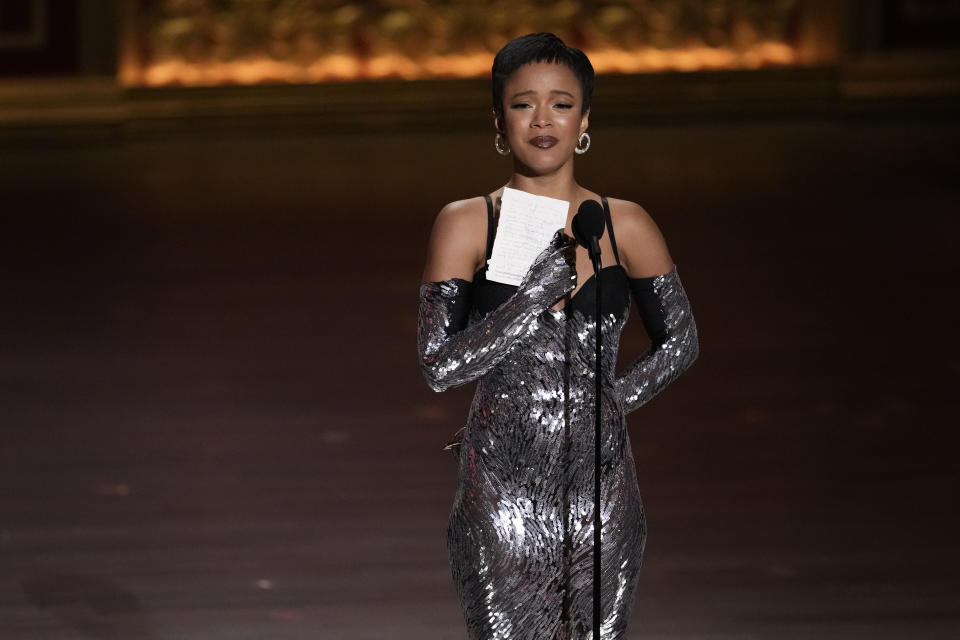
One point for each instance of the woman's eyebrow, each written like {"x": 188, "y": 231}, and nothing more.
{"x": 523, "y": 93}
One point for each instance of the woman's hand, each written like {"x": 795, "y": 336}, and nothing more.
{"x": 553, "y": 273}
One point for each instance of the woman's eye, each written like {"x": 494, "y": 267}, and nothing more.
{"x": 519, "y": 105}
{"x": 564, "y": 105}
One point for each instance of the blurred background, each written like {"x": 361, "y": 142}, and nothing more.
{"x": 214, "y": 217}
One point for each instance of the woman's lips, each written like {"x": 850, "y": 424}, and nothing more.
{"x": 543, "y": 142}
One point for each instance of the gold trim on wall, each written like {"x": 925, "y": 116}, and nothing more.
{"x": 207, "y": 43}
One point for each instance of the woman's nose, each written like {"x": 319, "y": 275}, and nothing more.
{"x": 541, "y": 118}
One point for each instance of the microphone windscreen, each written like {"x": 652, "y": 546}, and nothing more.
{"x": 588, "y": 223}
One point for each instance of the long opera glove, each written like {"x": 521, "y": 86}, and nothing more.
{"x": 452, "y": 352}
{"x": 666, "y": 314}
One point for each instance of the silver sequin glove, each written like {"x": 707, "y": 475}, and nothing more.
{"x": 452, "y": 353}
{"x": 674, "y": 348}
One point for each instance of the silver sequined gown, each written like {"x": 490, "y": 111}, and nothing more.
{"x": 520, "y": 534}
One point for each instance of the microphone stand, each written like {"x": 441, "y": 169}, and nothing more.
{"x": 595, "y": 259}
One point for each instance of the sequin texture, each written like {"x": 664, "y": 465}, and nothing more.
{"x": 520, "y": 533}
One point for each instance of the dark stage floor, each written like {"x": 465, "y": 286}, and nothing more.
{"x": 213, "y": 424}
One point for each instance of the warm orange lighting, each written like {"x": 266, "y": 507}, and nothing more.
{"x": 217, "y": 42}
{"x": 393, "y": 66}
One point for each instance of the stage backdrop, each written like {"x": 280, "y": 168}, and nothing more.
{"x": 248, "y": 42}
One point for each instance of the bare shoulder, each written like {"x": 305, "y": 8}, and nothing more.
{"x": 465, "y": 207}
{"x": 643, "y": 249}
{"x": 457, "y": 241}
{"x": 463, "y": 222}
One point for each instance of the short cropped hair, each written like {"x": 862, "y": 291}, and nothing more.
{"x": 540, "y": 47}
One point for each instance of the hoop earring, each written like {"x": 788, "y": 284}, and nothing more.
{"x": 582, "y": 146}
{"x": 500, "y": 144}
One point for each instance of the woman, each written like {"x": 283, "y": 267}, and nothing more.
{"x": 520, "y": 534}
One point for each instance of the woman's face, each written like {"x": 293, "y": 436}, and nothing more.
{"x": 541, "y": 116}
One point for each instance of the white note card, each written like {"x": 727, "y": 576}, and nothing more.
{"x": 527, "y": 223}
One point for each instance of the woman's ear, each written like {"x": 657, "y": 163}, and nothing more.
{"x": 498, "y": 121}
{"x": 584, "y": 121}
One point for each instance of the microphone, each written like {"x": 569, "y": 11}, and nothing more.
{"x": 588, "y": 229}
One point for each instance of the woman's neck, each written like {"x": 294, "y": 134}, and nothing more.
{"x": 560, "y": 185}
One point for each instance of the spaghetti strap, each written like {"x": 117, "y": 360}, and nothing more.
{"x": 613, "y": 238}
{"x": 489, "y": 226}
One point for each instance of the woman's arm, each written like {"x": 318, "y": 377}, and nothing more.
{"x": 453, "y": 353}
{"x": 663, "y": 305}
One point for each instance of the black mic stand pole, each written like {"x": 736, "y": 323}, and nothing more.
{"x": 595, "y": 258}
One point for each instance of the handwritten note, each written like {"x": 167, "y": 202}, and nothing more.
{"x": 527, "y": 223}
